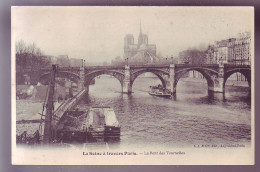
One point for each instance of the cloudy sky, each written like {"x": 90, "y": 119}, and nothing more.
{"x": 96, "y": 34}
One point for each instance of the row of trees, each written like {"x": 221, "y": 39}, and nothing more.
{"x": 30, "y": 56}
{"x": 192, "y": 56}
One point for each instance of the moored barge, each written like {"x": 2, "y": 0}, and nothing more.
{"x": 102, "y": 124}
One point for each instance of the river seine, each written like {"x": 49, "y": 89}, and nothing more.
{"x": 192, "y": 117}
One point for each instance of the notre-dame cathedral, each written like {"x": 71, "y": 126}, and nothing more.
{"x": 142, "y": 52}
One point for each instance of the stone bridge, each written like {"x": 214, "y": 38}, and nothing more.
{"x": 216, "y": 75}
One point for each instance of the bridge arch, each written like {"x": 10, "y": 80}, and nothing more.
{"x": 90, "y": 76}
{"x": 45, "y": 78}
{"x": 208, "y": 74}
{"x": 156, "y": 72}
{"x": 245, "y": 71}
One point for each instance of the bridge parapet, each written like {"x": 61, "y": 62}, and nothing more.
{"x": 148, "y": 66}
{"x": 88, "y": 68}
{"x": 70, "y": 103}
{"x": 196, "y": 65}
{"x": 212, "y": 72}
{"x": 237, "y": 65}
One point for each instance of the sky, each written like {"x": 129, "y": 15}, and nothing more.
{"x": 96, "y": 34}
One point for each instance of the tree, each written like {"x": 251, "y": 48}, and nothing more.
{"x": 192, "y": 56}
{"x": 117, "y": 61}
{"x": 29, "y": 56}
{"x": 20, "y": 47}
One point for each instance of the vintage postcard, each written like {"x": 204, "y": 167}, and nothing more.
{"x": 132, "y": 85}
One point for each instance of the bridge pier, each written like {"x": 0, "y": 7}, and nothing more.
{"x": 218, "y": 86}
{"x": 218, "y": 82}
{"x": 172, "y": 79}
{"x": 126, "y": 86}
{"x": 81, "y": 79}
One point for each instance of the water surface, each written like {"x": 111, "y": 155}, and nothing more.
{"x": 192, "y": 116}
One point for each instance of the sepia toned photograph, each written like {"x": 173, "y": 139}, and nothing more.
{"x": 132, "y": 85}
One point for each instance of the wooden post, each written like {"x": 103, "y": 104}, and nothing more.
{"x": 48, "y": 133}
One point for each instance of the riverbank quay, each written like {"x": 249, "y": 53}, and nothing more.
{"x": 233, "y": 83}
{"x": 29, "y": 114}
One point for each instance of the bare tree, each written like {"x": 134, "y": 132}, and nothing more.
{"x": 29, "y": 56}
{"x": 20, "y": 47}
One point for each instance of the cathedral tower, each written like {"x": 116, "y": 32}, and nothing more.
{"x": 141, "y": 51}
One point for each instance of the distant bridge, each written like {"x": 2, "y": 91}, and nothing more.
{"x": 216, "y": 75}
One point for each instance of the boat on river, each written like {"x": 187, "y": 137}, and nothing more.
{"x": 159, "y": 91}
{"x": 102, "y": 124}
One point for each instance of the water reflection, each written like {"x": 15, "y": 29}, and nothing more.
{"x": 210, "y": 98}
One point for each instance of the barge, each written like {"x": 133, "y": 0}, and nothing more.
{"x": 102, "y": 125}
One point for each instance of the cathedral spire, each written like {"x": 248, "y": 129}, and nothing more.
{"x": 140, "y": 38}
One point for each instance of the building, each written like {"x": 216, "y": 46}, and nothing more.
{"x": 63, "y": 61}
{"x": 183, "y": 58}
{"x": 221, "y": 54}
{"x": 142, "y": 52}
{"x": 231, "y": 51}
{"x": 242, "y": 49}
